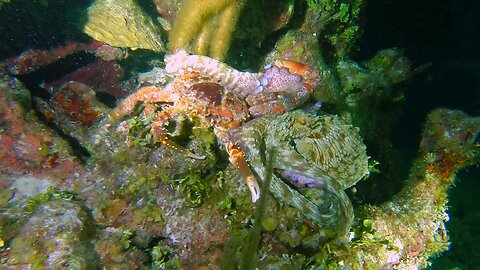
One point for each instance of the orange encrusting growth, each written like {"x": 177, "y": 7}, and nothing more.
{"x": 447, "y": 166}
{"x": 74, "y": 98}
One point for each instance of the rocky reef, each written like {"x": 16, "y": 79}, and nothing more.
{"x": 87, "y": 184}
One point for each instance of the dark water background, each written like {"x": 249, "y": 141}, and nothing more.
{"x": 447, "y": 34}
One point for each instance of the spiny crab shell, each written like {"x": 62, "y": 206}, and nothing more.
{"x": 310, "y": 151}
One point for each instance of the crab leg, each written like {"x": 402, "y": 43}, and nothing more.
{"x": 162, "y": 135}
{"x": 237, "y": 158}
{"x": 145, "y": 94}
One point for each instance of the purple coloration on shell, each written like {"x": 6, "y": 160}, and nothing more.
{"x": 300, "y": 180}
{"x": 280, "y": 79}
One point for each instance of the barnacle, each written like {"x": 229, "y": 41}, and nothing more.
{"x": 314, "y": 151}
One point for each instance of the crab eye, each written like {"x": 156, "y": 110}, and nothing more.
{"x": 211, "y": 91}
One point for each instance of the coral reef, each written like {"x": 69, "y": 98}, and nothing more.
{"x": 28, "y": 171}
{"x": 143, "y": 206}
{"x": 72, "y": 96}
{"x": 28, "y": 147}
{"x": 418, "y": 213}
{"x": 206, "y": 26}
{"x": 50, "y": 238}
{"x": 86, "y": 186}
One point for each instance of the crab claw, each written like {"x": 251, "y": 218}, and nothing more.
{"x": 237, "y": 158}
{"x": 252, "y": 184}
{"x": 278, "y": 90}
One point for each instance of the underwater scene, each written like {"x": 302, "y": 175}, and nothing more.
{"x": 239, "y": 134}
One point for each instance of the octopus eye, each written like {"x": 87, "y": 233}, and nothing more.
{"x": 212, "y": 91}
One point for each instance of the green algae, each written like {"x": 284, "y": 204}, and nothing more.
{"x": 339, "y": 21}
{"x": 139, "y": 129}
{"x": 162, "y": 258}
{"x": 147, "y": 214}
{"x": 57, "y": 225}
{"x": 5, "y": 195}
{"x": 194, "y": 187}
{"x": 51, "y": 194}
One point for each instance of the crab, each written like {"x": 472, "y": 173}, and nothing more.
{"x": 220, "y": 97}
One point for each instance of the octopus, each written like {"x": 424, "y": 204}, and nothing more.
{"x": 318, "y": 156}
{"x": 212, "y": 94}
